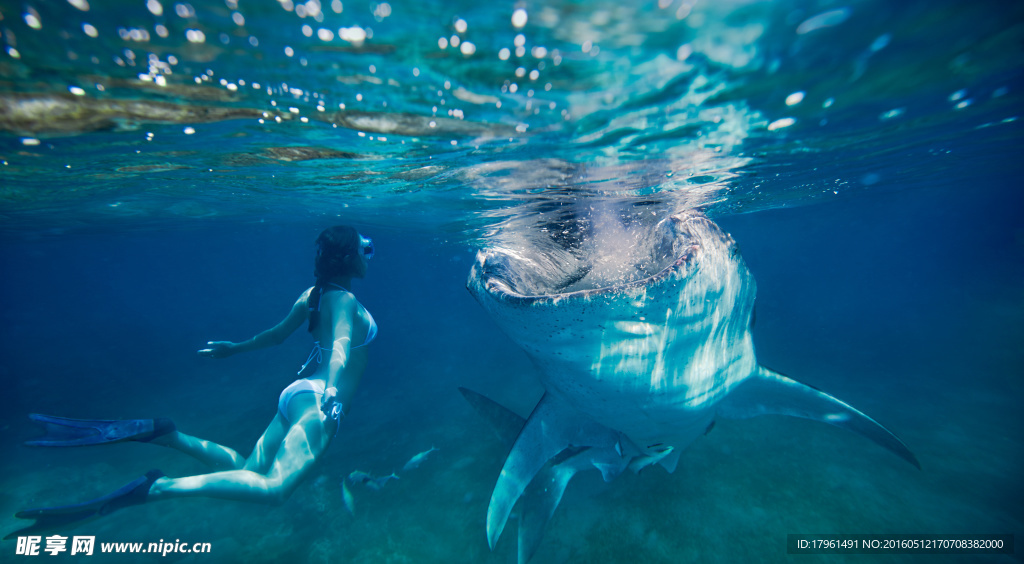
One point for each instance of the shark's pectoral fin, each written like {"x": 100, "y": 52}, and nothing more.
{"x": 770, "y": 393}
{"x": 550, "y": 429}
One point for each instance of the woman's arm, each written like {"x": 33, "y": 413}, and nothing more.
{"x": 343, "y": 311}
{"x": 343, "y": 324}
{"x": 273, "y": 336}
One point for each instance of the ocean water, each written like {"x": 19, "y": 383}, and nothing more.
{"x": 167, "y": 166}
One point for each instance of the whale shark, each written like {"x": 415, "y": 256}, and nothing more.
{"x": 640, "y": 329}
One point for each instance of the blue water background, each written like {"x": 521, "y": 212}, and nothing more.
{"x": 908, "y": 310}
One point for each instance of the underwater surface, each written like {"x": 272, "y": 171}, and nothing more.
{"x": 165, "y": 168}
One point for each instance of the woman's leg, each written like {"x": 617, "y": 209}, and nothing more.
{"x": 267, "y": 447}
{"x": 208, "y": 452}
{"x": 302, "y": 445}
{"x": 221, "y": 457}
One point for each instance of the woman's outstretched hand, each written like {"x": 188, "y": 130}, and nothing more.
{"x": 218, "y": 349}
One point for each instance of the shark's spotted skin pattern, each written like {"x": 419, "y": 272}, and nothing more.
{"x": 641, "y": 340}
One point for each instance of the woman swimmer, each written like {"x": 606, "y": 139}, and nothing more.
{"x": 308, "y": 415}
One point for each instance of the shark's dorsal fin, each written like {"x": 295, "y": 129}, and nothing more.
{"x": 505, "y": 423}
{"x": 770, "y": 393}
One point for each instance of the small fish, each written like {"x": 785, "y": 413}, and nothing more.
{"x": 359, "y": 477}
{"x": 415, "y": 461}
{"x": 350, "y": 502}
{"x": 378, "y": 483}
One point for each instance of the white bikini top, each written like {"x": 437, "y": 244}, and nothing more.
{"x": 317, "y": 352}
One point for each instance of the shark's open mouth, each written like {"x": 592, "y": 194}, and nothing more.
{"x": 609, "y": 257}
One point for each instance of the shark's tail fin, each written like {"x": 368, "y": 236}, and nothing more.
{"x": 770, "y": 393}
{"x": 547, "y": 450}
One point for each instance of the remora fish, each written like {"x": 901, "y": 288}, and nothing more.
{"x": 378, "y": 483}
{"x": 642, "y": 339}
{"x": 415, "y": 461}
{"x": 374, "y": 483}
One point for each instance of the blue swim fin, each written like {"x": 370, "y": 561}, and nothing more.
{"x": 53, "y": 518}
{"x": 65, "y": 432}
